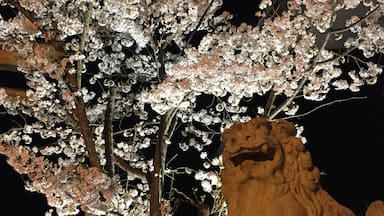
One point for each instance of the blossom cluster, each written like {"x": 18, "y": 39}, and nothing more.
{"x": 178, "y": 59}
{"x": 64, "y": 187}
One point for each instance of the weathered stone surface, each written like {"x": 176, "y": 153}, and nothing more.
{"x": 376, "y": 208}
{"x": 268, "y": 172}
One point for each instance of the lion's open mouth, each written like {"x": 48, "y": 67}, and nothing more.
{"x": 255, "y": 155}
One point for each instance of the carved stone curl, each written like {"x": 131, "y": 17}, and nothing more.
{"x": 268, "y": 172}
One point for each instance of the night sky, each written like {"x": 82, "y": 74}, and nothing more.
{"x": 346, "y": 141}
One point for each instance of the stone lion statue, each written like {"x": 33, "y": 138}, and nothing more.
{"x": 268, "y": 172}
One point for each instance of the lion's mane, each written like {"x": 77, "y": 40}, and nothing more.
{"x": 268, "y": 172}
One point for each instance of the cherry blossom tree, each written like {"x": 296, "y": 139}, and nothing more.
{"x": 118, "y": 91}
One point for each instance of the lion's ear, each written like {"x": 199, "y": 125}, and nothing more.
{"x": 310, "y": 179}
{"x": 305, "y": 161}
{"x": 258, "y": 122}
{"x": 283, "y": 128}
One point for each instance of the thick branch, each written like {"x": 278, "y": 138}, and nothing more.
{"x": 9, "y": 60}
{"x": 30, "y": 17}
{"x": 165, "y": 132}
{"x": 82, "y": 120}
{"x": 87, "y": 19}
{"x": 108, "y": 131}
{"x": 86, "y": 131}
{"x": 25, "y": 12}
{"x": 155, "y": 189}
{"x": 8, "y": 68}
{"x": 161, "y": 55}
{"x": 129, "y": 169}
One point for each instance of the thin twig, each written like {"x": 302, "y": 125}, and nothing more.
{"x": 270, "y": 101}
{"x": 270, "y": 12}
{"x": 324, "y": 105}
{"x": 170, "y": 160}
{"x": 200, "y": 22}
{"x": 108, "y": 131}
{"x": 202, "y": 209}
{"x": 196, "y": 27}
{"x": 288, "y": 100}
{"x": 344, "y": 29}
{"x": 357, "y": 60}
{"x": 336, "y": 57}
{"x": 302, "y": 81}
{"x": 186, "y": 197}
{"x": 132, "y": 129}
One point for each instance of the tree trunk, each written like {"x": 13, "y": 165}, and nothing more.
{"x": 160, "y": 153}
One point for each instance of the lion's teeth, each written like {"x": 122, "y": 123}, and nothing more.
{"x": 264, "y": 149}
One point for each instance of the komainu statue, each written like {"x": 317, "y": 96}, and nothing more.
{"x": 268, "y": 172}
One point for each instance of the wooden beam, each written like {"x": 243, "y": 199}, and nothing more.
{"x": 9, "y": 58}
{"x": 8, "y": 68}
{"x": 15, "y": 92}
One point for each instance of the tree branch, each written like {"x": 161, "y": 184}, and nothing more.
{"x": 22, "y": 10}
{"x": 202, "y": 209}
{"x": 80, "y": 111}
{"x": 270, "y": 101}
{"x": 288, "y": 100}
{"x": 31, "y": 18}
{"x": 161, "y": 72}
{"x": 200, "y": 22}
{"x": 336, "y": 57}
{"x": 344, "y": 29}
{"x": 302, "y": 81}
{"x": 108, "y": 131}
{"x": 79, "y": 66}
{"x": 129, "y": 169}
{"x": 157, "y": 176}
{"x": 82, "y": 121}
{"x": 196, "y": 28}
{"x": 155, "y": 189}
{"x": 269, "y": 13}
{"x": 324, "y": 105}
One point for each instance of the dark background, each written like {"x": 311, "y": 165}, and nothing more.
{"x": 345, "y": 141}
